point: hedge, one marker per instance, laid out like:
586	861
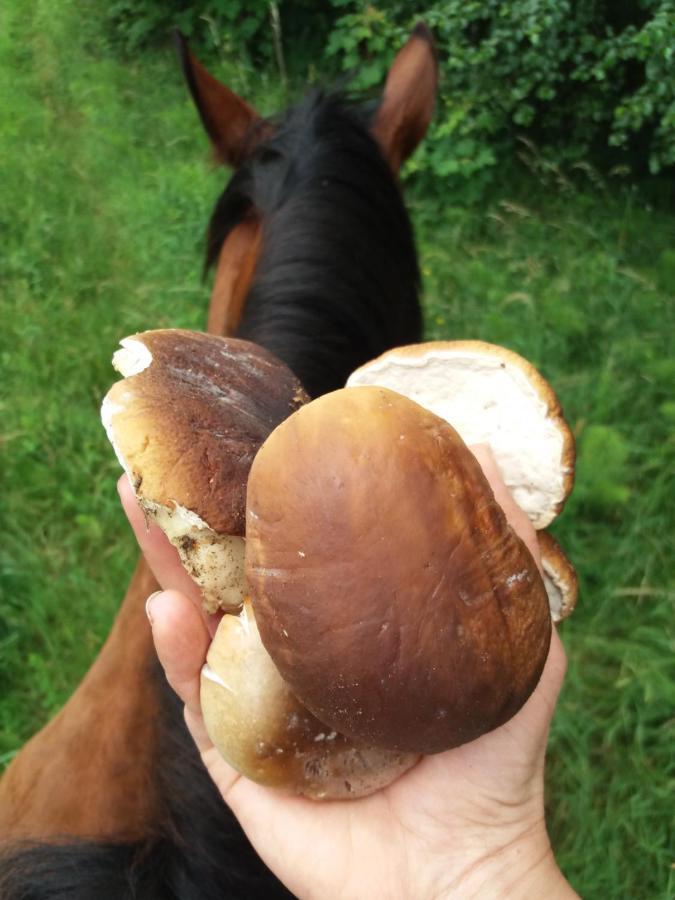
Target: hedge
581	80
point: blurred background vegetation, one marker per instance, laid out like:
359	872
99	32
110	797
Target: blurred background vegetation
582	80
543	206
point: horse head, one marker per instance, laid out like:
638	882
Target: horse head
310	239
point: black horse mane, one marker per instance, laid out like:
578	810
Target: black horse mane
337	279
336	284
198	852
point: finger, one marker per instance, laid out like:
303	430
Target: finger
162	558
181	640
222	773
516	517
553	675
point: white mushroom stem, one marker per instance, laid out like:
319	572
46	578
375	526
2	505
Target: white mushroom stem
555	594
215	561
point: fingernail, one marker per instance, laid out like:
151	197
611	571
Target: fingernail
148	605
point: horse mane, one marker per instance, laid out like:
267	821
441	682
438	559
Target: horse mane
337	278
336	284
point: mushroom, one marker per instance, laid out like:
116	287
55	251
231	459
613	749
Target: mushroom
393	611
395	600
185	422
490	395
262	730
560	578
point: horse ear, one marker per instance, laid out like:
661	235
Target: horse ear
228	120
408	100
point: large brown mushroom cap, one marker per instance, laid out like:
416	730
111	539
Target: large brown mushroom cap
391	593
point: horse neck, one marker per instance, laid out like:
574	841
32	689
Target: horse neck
100	750
89	771
236	265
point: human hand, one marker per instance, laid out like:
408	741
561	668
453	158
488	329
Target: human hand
465	823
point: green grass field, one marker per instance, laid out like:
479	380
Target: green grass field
104	197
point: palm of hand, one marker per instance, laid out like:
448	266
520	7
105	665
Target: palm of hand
467	803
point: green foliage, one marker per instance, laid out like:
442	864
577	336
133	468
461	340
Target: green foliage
575	77
209	22
248	31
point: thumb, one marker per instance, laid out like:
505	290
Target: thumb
181	640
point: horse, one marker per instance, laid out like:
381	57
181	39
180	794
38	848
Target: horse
314	259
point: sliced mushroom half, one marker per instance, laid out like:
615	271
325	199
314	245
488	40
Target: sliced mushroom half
489	395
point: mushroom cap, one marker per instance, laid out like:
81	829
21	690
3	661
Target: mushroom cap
560	577
390	591
189	416
262	730
490	395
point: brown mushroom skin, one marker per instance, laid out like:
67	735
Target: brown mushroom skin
189	424
260	728
560	577
390	591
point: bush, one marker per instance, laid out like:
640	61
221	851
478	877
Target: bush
582	79
236	29
206	22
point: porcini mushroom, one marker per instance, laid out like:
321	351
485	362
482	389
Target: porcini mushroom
489	395
394	612
560	577
186	421
262	730
391	593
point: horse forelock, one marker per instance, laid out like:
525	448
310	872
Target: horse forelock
337	278
293	139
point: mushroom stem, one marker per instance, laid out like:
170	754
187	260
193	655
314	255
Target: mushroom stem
215	561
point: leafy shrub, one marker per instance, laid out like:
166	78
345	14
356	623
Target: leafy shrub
237	29
580	78
138	22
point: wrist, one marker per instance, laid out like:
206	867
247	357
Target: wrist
521	868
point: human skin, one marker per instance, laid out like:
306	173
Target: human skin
467	823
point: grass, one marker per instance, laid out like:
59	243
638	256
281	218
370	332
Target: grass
103	203
582	283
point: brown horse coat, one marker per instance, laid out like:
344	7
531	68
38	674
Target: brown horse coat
88	772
